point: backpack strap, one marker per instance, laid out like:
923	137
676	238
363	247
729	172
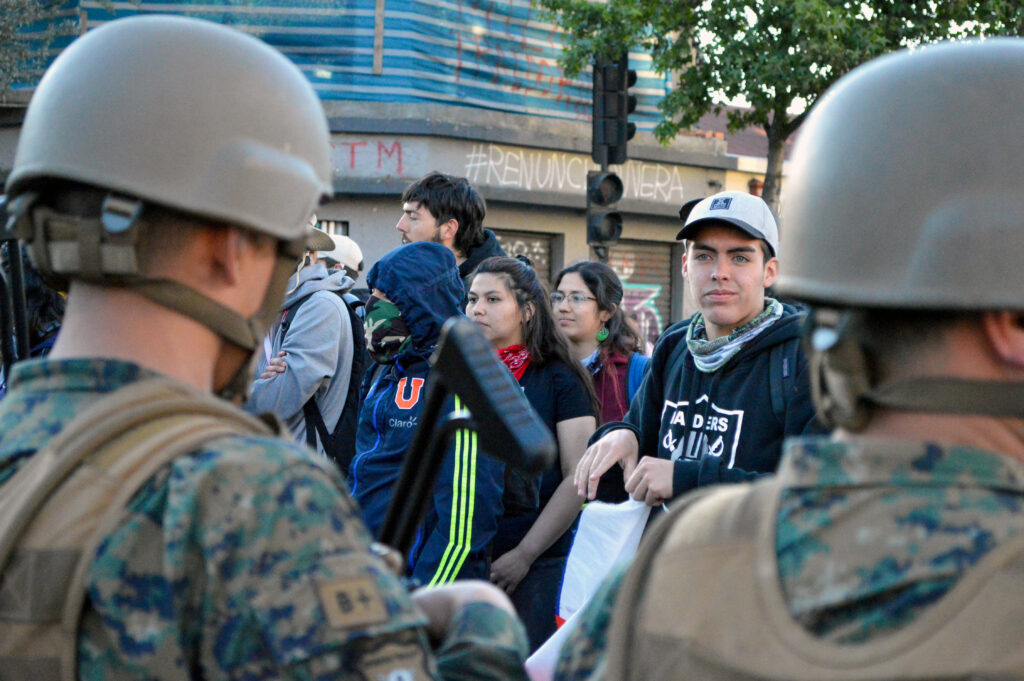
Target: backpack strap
635	374
71	494
696	512
782	369
339	443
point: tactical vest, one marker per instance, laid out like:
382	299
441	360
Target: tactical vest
71	494
703	601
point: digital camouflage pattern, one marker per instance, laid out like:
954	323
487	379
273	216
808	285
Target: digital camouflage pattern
868	534
245	560
583	654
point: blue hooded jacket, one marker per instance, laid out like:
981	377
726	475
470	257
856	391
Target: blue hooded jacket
421	279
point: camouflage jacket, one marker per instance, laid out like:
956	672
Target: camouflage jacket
236	561
869	533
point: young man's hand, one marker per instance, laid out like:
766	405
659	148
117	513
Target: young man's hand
617	447
651	481
275	366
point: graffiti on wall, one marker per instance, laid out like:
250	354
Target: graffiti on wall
537	250
639	300
368	155
536	169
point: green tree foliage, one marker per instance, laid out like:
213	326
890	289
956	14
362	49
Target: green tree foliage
27	31
775	54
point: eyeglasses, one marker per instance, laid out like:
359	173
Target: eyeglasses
575	299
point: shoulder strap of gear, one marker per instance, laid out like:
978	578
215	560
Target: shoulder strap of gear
703	501
782	370
717	557
66	498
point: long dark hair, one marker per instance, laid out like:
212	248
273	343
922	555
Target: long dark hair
540	334
606	287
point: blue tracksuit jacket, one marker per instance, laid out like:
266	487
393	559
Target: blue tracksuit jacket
454	542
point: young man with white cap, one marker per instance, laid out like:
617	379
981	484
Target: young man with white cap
724	387
311	364
345	255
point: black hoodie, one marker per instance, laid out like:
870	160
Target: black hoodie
721	426
489	248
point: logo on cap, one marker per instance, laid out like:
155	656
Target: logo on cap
721	203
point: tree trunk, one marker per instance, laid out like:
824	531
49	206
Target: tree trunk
773	174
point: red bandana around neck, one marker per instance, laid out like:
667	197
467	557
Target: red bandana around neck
516	358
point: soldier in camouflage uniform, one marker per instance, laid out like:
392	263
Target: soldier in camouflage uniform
167	167
906	225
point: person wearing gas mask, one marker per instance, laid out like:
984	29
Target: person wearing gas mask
414	290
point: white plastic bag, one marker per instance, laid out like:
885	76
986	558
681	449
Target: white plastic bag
607	535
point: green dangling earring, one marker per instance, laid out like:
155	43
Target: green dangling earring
603	334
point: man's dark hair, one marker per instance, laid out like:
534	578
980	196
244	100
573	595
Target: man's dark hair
448	197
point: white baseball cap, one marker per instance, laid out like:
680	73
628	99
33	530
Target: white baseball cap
744	211
346	251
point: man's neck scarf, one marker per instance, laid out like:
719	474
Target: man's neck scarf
710	355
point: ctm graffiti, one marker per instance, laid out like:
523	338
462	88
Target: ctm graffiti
363	154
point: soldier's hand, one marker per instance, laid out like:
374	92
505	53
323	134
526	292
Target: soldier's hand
651	480
617	447
440	603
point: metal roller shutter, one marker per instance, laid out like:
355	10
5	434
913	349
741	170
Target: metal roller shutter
645	269
534	245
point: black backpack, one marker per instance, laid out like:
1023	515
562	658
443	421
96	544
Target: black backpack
340	444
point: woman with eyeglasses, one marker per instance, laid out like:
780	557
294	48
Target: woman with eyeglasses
587	302
511	307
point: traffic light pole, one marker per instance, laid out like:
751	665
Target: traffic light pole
611	130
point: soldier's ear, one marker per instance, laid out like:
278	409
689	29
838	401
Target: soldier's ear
1005	333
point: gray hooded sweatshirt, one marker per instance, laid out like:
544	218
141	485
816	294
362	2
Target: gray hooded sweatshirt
318	349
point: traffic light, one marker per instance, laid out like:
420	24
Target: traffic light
604	223
612	106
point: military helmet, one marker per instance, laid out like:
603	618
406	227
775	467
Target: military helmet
185	113
181	114
903	190
903	193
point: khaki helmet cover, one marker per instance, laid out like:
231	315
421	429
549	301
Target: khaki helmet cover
181	113
185	113
903	192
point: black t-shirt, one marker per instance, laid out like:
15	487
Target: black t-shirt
556	394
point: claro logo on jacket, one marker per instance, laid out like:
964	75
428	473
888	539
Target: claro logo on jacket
702	429
408	393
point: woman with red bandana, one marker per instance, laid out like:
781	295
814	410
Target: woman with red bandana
511	306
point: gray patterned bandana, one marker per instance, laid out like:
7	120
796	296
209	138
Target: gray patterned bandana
710	355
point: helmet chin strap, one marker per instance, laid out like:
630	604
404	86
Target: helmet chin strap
245	333
843	395
103	250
